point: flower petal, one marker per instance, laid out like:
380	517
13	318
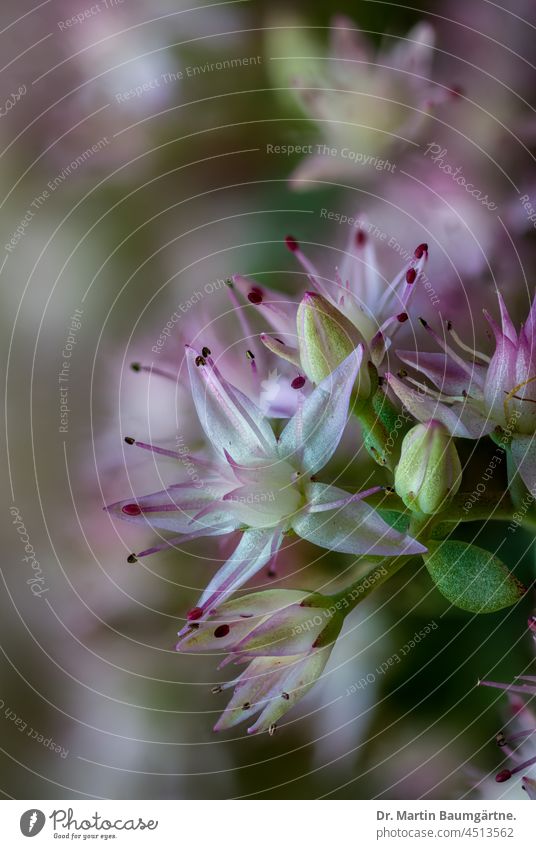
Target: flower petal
354	529
299	679
460	418
241	615
257	685
313	433
230	420
172	509
445	373
252	552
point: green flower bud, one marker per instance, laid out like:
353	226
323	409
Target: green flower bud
429	473
325	338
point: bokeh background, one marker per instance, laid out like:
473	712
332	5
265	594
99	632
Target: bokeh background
117	209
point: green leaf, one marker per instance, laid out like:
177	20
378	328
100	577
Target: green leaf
471	578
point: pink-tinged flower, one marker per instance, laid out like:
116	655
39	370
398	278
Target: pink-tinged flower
366	103
262	485
477	397
519	741
285	641
358	290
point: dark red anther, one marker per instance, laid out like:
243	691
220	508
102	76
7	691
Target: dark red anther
402	317
221	631
505	775
255	296
131	510
291	243
360	238
420	250
298	382
411	274
194	613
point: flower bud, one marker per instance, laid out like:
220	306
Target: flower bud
429	473
325	338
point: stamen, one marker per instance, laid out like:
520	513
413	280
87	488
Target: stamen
298	382
272	729
246	706
137	367
206	352
520	735
194	613
165	452
217	689
291	244
221	631
402	317
285	696
505	775
131	510
516	769
411	274
420	250
467	367
132	558
474	353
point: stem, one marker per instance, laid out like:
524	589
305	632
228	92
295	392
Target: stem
355	593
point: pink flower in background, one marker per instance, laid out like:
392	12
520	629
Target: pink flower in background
366	103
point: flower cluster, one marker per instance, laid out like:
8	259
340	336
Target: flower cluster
265	468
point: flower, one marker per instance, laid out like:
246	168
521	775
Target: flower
519	746
264	486
486	395
429	473
364	303
364	103
285	637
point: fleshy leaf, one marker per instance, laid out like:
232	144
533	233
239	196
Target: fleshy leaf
471	578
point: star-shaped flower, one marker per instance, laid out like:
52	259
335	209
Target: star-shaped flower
265	486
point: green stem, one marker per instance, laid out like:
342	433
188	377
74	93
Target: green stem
357	592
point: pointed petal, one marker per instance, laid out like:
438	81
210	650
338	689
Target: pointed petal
230	420
241	615
507	324
259	683
354	529
445	373
523	448
253	551
460	419
312	435
172	509
290	631
299	679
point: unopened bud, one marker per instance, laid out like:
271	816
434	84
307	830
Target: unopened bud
429	473
325	338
